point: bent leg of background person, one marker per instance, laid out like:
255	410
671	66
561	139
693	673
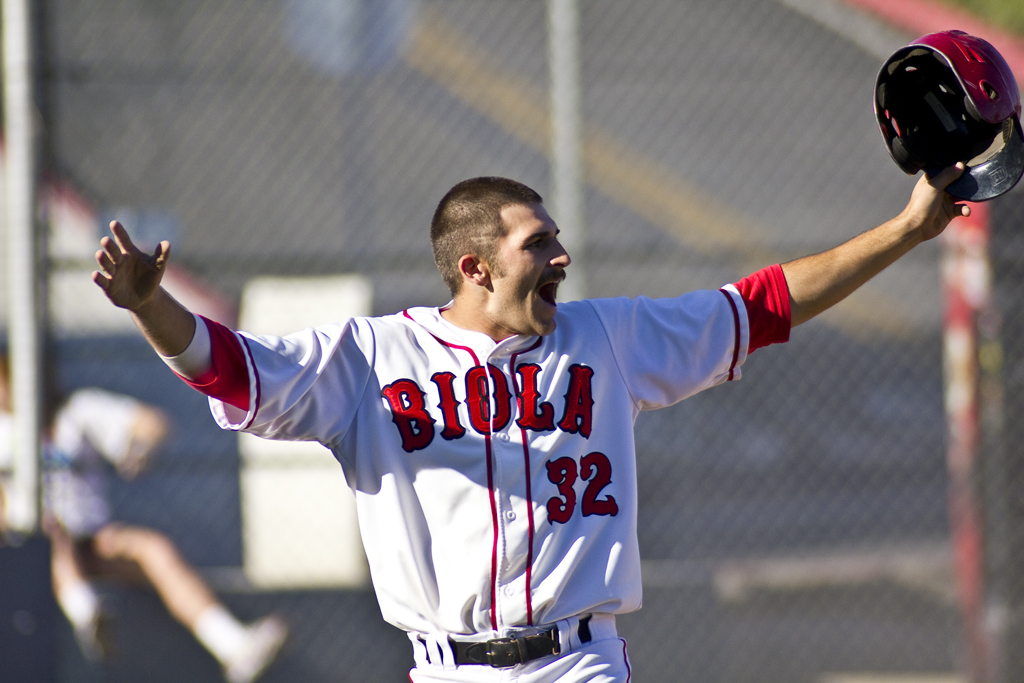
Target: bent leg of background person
76	596
244	650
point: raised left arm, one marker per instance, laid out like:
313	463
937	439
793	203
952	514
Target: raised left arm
818	282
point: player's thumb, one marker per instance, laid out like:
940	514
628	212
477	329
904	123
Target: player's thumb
943	178
162	254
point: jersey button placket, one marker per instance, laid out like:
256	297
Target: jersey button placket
499	438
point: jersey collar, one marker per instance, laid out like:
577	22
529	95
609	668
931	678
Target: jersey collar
432	320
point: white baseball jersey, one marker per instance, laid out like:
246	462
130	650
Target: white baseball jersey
495	482
92	426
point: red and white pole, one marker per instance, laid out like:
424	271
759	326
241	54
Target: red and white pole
967	285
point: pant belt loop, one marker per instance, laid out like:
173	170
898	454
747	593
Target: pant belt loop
419	650
566	630
447	654
573	633
439	649
434	651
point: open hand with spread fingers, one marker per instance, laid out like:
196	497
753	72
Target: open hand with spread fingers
128	276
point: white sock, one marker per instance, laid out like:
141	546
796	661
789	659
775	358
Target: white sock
220	633
79	602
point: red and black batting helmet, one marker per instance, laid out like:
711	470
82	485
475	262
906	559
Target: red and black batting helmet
949	97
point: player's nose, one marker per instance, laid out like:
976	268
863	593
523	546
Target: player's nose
561	257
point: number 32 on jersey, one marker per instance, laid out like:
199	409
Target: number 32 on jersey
562	472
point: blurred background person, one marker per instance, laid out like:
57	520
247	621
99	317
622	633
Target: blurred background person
87	428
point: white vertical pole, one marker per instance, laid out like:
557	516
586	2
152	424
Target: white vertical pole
22	264
566	140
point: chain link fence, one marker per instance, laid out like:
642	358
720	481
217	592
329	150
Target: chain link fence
793	525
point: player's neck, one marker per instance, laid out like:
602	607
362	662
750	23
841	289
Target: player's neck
473	316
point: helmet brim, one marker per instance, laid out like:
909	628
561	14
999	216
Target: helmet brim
993	176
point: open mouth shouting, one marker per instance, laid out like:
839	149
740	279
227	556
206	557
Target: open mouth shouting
549	290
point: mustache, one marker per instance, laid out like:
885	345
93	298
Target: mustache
555	276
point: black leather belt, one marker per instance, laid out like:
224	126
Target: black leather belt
501	653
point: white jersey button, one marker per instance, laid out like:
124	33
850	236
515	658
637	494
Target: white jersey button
510	515
510	591
503	436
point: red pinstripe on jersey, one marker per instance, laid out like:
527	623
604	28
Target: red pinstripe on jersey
529	491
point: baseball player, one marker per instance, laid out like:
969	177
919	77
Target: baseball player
489	442
91	426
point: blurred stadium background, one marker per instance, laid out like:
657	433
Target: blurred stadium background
794	527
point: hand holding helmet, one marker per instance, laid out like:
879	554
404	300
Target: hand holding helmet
950	97
931	207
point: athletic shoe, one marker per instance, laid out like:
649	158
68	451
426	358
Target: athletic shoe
266	636
95	638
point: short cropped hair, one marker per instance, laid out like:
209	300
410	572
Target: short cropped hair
468	221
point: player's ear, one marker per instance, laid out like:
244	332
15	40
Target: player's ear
474	270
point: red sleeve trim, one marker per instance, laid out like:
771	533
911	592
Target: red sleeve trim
766	297
227	379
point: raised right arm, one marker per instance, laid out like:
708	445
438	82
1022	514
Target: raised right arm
131	280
